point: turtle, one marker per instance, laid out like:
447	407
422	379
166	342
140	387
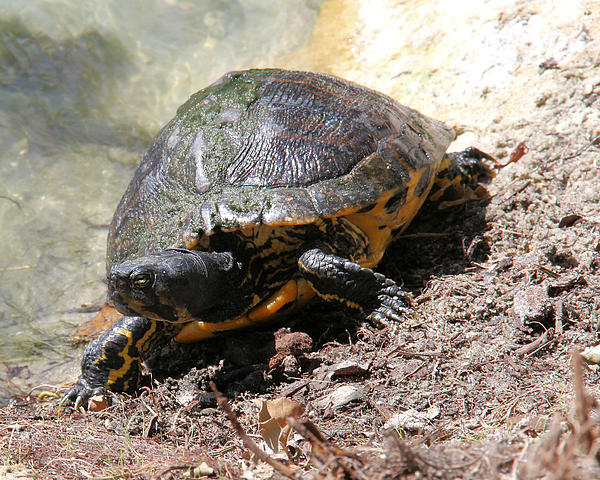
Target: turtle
268	188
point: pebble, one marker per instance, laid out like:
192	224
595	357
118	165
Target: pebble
291	366
592	354
347	367
532	304
341	397
412	420
97	403
202	470
292	343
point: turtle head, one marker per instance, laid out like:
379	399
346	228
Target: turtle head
175	285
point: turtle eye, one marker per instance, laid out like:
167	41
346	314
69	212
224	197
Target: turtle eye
141	280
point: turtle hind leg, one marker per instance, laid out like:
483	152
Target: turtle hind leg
112	362
376	298
460	178
469	166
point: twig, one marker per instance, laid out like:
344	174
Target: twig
410	353
328	456
166	470
582	149
559	313
538	342
13	201
549	271
248	442
582	401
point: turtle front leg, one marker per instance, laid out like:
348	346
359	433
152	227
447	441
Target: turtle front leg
112	362
375	297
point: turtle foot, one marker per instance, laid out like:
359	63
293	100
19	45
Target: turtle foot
79	395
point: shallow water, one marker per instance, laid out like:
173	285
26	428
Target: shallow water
84	86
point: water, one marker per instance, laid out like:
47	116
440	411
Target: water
84	86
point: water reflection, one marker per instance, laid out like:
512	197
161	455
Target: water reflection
83	88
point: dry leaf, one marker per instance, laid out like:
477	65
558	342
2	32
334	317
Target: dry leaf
97	325
272	420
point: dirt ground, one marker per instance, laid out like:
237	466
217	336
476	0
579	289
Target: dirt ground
482	382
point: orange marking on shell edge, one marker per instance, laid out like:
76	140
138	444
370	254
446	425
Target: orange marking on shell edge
190	242
445	163
443	184
295	293
378	225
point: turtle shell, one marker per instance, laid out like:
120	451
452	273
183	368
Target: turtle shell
272	147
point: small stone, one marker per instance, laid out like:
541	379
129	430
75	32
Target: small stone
591	84
503	263
341	397
97	403
291	366
204	470
412	420
592	354
185	397
532	305
347	367
208	412
292	343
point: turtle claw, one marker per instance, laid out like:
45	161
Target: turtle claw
378	300
79	395
392	309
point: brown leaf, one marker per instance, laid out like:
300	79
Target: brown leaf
100	323
272	420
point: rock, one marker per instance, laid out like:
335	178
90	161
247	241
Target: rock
288	345
341	397
291	366
502	264
185	396
292	343
98	403
532	305
592	354
347	367
412	420
203	470
325	373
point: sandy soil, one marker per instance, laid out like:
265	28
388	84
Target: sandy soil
480	383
